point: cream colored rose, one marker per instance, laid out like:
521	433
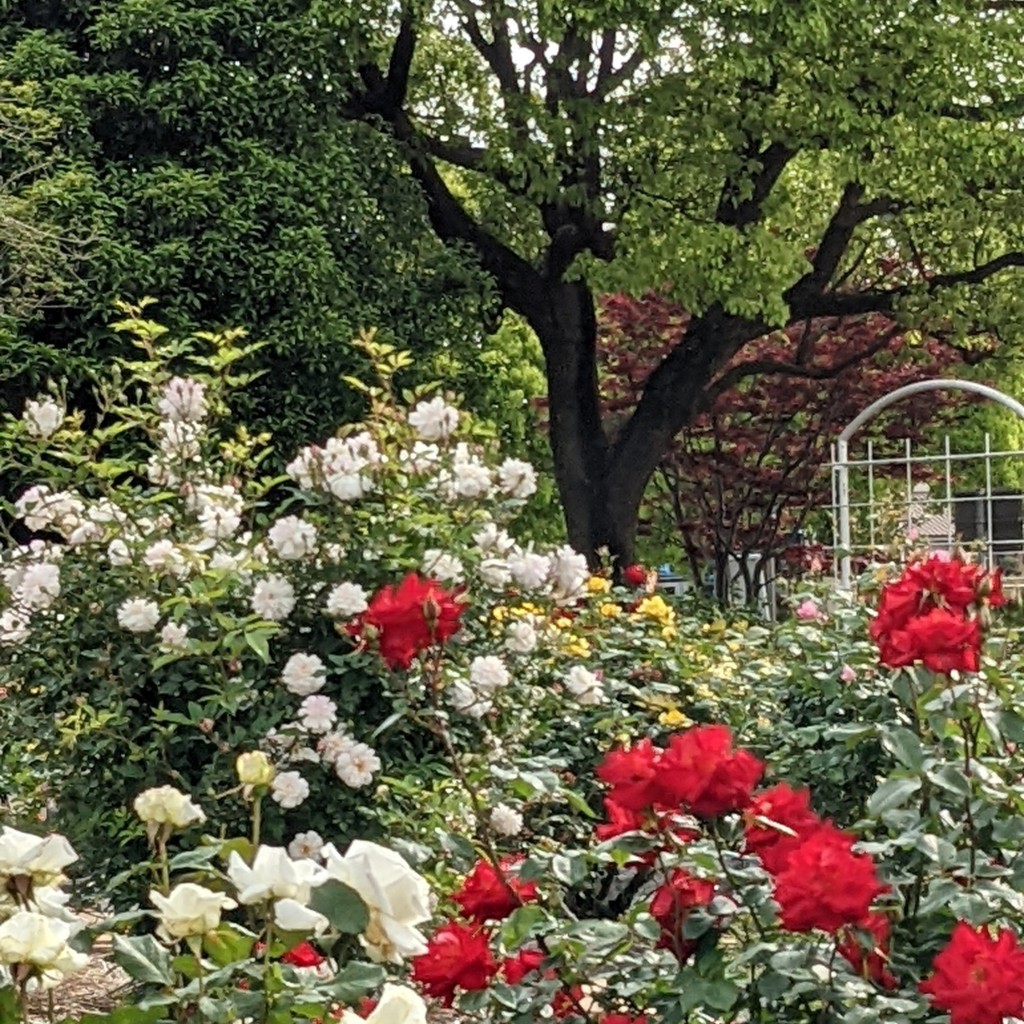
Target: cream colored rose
189	909
165	805
397	1005
254	769
274	875
39	858
398	898
39	941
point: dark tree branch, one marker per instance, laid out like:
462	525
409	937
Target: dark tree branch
400	62
742	212
885	300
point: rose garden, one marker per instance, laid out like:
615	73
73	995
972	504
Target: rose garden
344	744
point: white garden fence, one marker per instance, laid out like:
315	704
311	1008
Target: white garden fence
925	495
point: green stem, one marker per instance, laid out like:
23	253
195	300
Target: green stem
256	820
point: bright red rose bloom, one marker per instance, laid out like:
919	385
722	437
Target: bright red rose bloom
457	956
700	769
672	904
870	963
631	773
941	640
634	576
824	884
485	897
302	955
786	806
622	1018
978	979
408	619
567	1002
515	968
620	821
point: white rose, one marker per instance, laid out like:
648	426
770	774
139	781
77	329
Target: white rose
174	637
31	938
434	420
292	916
165	556
41	858
306	845
289	789
273	598
303	674
118	552
488	673
346	600
521	637
14	627
165	805
491	539
397	897
397	1005
569	572
274	875
584	685
442	566
506	821
495	572
517	479
529	569
138	615
349	486
317	713
43	419
40	585
292	538
356	764
466	700
188	909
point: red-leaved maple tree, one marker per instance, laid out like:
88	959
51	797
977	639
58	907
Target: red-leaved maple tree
745	475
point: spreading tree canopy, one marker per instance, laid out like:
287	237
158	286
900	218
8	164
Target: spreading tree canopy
765	162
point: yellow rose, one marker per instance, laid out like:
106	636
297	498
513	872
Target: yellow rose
578	647
599	585
254	769
674	719
610	610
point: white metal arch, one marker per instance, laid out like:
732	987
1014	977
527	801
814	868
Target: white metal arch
841	465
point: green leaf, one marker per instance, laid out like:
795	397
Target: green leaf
354	981
951	778
903	745
228	944
144	959
891	794
122	1015
342	906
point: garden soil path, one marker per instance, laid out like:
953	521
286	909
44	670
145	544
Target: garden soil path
94	989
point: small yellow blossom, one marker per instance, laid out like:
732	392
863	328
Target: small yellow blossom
599	585
561	622
669	632
674	719
499	612
610	610
578	646
656	607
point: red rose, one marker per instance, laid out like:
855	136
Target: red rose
515	968
622	1018
672	904
941	640
457	956
700	769
302	955
978	979
824	884
784	806
631	773
566	1002
866	946
484	896
634	575
621	820
409	618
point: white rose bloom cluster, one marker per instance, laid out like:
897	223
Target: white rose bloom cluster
517	479
167	806
442	566
38	860
138	615
468	476
289	789
304	674
434	420
488	674
38	945
183	400
218	508
521	636
43	417
273	598
343	467
505	820
40	508
468	701
164	556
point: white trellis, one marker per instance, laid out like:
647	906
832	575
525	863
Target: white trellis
916	500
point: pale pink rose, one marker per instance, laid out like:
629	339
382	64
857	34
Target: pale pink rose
913	533
808	609
848	674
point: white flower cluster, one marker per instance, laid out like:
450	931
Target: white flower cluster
182	403
35	930
343	467
43	417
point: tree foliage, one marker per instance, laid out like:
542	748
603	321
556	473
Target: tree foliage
213	169
756	160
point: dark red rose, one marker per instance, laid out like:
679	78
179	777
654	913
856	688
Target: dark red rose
458	956
785	806
631	773
634	576
866	947
824	884
484	896
403	621
302	955
622	1018
515	968
700	769
672	904
566	1002
978	979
